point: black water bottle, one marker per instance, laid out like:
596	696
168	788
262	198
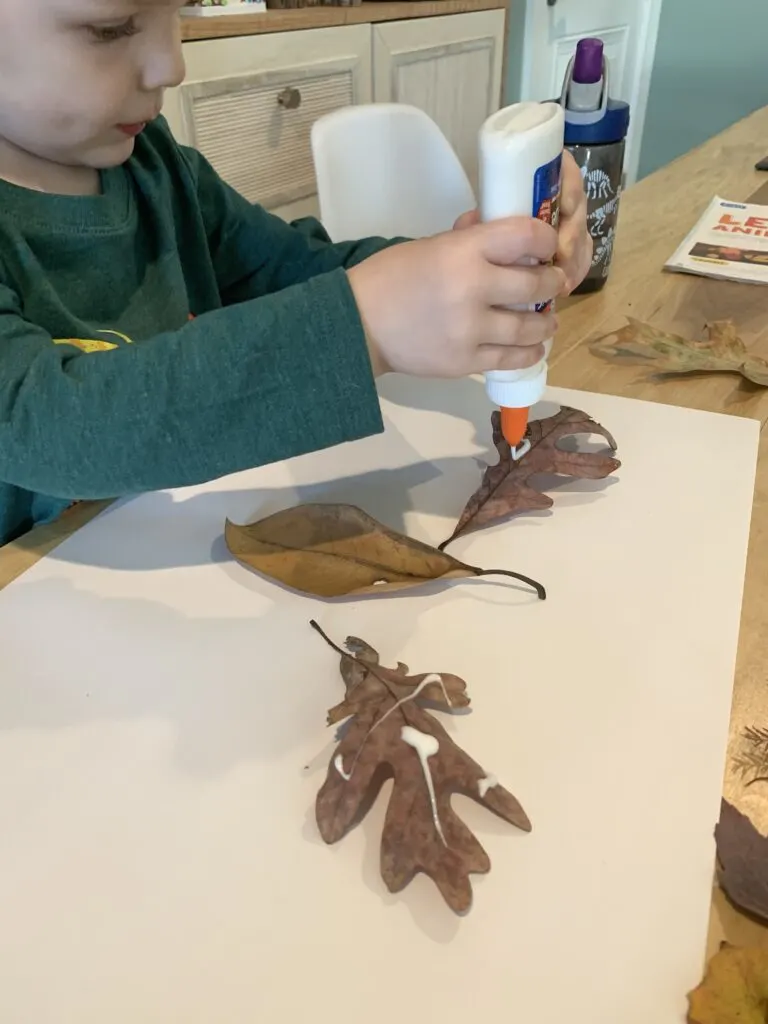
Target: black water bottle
595	133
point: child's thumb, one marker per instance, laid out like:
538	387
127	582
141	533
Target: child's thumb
467	220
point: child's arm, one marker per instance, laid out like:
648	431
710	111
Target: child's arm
284	368
237	387
268	378
255	252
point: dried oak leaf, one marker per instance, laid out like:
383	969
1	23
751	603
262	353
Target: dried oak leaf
734	989
391	734
506	488
742	854
641	344
333	550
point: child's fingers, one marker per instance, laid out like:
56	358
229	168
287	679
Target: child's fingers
467	220
502	357
512	286
513	239
503	328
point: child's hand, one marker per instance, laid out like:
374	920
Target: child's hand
574	242
431	307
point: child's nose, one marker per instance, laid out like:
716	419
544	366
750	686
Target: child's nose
164	69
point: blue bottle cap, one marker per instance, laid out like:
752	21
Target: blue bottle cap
612	126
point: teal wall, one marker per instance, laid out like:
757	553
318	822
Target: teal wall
710	70
699	85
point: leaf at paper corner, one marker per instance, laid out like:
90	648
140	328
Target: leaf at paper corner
421	831
734	989
742	854
641	344
506	488
333	550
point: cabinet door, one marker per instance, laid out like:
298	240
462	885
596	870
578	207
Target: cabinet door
450	67
248	105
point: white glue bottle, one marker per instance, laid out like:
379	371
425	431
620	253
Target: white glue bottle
521	150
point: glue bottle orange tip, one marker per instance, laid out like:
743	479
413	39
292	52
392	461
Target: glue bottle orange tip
514	423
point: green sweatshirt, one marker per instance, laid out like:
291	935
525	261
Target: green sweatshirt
165	333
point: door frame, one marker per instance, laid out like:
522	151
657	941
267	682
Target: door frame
639	99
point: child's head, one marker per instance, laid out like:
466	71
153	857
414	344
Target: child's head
76	76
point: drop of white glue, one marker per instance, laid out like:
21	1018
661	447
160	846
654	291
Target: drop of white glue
485	784
520	450
428	680
426	746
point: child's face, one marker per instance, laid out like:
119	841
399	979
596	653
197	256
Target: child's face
77	77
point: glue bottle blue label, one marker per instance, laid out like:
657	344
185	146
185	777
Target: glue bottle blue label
546	201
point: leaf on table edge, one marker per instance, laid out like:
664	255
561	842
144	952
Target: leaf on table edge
741	850
721	334
730	964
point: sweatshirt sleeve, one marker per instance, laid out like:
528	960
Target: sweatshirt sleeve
252	383
254	252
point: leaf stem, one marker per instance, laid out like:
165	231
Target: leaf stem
318	628
374	670
540	591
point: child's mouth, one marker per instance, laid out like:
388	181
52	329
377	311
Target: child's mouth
132	130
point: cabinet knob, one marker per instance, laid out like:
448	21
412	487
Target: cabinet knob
551	3
289	98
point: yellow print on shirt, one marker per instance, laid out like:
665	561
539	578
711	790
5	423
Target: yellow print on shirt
94	344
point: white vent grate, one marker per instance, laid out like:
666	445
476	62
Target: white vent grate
260	148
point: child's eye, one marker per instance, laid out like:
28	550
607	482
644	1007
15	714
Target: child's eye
111	33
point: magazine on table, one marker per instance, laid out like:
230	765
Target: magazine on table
729	241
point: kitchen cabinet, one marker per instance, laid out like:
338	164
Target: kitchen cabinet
450	67
248	102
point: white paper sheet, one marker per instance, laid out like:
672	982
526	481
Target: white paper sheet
162	740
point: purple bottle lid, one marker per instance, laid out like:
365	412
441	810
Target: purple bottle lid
588	62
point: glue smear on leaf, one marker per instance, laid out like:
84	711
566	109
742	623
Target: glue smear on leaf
392	734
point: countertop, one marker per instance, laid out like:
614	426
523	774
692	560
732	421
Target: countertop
299	18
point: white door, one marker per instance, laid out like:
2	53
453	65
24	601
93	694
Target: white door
449	67
628	29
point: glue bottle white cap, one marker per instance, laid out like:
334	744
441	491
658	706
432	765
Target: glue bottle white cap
520	150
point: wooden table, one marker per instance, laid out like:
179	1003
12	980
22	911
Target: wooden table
655	215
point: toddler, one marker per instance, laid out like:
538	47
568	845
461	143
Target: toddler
157	330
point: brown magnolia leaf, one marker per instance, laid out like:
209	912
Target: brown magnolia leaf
742	854
734	989
333	550
723	351
506	488
390	733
